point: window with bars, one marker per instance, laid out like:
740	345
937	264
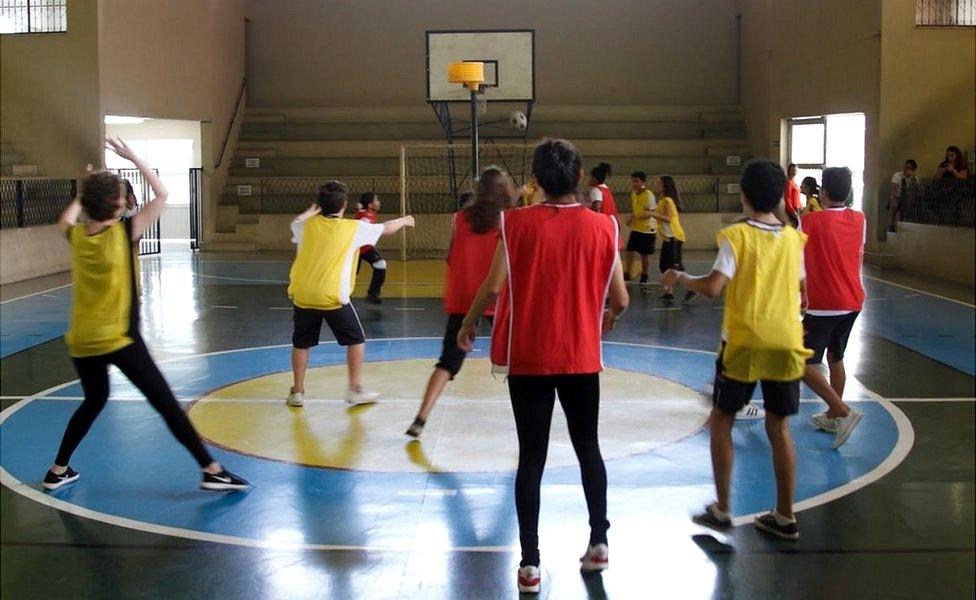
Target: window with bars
33	16
946	13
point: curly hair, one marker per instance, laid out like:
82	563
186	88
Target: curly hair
100	193
494	193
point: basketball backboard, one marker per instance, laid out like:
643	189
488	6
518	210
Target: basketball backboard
508	55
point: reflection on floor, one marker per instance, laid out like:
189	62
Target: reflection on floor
346	506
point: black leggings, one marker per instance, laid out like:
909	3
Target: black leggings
533	398
136	364
372	256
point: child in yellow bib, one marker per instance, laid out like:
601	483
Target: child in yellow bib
762	339
643	226
321	283
104	328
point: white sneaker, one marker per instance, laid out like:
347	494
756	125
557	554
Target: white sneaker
529	580
847	425
750	412
295	398
361	396
828	424
596	558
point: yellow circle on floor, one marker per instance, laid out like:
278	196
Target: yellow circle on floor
470	429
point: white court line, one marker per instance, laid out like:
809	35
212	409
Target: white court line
906	439
223	306
906	287
408	308
674	308
279	308
60	287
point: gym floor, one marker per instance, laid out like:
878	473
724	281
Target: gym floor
345	506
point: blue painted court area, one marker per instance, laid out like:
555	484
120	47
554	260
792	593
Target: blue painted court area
291	504
33	320
942	330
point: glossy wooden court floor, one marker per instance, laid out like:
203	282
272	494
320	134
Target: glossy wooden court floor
345	506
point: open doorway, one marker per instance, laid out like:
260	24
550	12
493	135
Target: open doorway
829	141
172	148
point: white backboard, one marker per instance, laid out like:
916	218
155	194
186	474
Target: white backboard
509	57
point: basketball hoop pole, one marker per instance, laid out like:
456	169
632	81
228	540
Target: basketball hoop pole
471	74
474	135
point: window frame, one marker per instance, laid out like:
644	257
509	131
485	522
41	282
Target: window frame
61	4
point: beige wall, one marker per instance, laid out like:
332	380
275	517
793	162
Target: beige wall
179	59
32	252
371	52
813	58
928	89
49	94
917	244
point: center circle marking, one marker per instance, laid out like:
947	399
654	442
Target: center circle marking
470	430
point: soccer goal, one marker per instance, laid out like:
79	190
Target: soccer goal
433	176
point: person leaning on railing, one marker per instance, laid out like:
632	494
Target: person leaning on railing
954	165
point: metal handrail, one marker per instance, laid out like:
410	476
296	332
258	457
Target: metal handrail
230	125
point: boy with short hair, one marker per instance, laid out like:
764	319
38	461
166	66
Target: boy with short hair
762	340
369	208
321	284
642	226
835	296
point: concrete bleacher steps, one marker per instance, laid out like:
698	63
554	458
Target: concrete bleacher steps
362	147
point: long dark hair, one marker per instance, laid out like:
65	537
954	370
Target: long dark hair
960	163
671	190
812	185
494	193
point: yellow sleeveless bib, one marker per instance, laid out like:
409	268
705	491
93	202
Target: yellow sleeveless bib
322	266
761	324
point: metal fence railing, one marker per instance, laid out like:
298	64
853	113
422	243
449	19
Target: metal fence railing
34	16
150	242
34	201
292	195
939	202
196	191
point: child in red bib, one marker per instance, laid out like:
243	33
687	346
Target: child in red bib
468	259
556	263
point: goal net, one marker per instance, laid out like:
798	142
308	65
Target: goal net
431	179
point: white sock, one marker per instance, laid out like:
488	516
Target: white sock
721	514
781	520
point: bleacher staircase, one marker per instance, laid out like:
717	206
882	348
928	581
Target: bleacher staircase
364	144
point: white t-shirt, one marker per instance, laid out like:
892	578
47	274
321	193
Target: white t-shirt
897	179
367	234
595	195
725	261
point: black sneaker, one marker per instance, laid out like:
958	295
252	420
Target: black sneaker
710	519
53	481
643	279
667	297
770	525
416	428
373	299
223	481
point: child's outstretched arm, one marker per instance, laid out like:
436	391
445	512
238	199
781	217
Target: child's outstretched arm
154	208
707	285
70	215
391	227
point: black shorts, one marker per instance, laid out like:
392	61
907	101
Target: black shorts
779	397
452	357
671	255
641	243
827	333
344	323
